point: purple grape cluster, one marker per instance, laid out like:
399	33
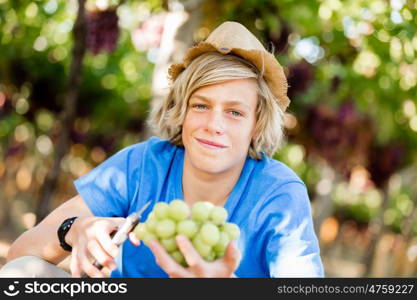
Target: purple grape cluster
342	137
102	30
300	76
345	138
280	41
6	106
385	161
15	149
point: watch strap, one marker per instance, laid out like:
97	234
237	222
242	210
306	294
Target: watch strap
62	232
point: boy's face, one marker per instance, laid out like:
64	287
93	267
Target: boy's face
219	125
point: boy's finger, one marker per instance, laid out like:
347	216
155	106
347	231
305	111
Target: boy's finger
165	261
134	239
190	254
232	256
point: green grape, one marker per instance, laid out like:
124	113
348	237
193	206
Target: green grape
207	228
151	223
178	210
165	228
211	257
161	210
202	248
149	237
218	215
219	254
141	231
232	230
187	227
179	258
209	234
221	245
198	224
169	244
209	205
201	211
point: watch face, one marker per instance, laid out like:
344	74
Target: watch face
67	224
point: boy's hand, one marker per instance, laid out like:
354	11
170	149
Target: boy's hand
197	266
90	237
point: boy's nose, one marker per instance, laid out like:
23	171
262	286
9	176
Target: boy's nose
215	123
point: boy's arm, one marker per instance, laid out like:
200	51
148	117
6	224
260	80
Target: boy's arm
42	240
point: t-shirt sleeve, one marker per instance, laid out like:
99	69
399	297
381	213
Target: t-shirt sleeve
107	189
292	248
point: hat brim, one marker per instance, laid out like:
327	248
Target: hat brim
265	62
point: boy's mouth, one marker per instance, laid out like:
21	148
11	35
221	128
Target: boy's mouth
210	144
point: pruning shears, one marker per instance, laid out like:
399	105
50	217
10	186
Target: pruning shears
121	234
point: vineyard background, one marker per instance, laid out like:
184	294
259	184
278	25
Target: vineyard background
77	79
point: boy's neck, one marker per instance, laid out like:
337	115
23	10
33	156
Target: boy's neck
203	186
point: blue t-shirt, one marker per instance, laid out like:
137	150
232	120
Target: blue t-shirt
269	203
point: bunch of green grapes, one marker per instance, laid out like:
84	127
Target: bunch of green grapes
204	224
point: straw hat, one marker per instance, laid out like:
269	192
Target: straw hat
233	37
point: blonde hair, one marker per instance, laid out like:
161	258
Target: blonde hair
166	118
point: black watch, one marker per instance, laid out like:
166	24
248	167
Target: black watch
62	232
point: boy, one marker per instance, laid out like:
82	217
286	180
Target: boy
221	123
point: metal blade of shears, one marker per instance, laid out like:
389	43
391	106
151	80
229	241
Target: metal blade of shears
131	221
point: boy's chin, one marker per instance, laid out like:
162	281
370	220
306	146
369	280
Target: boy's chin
212	167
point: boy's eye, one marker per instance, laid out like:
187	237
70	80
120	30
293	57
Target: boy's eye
236	113
198	106
204	107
